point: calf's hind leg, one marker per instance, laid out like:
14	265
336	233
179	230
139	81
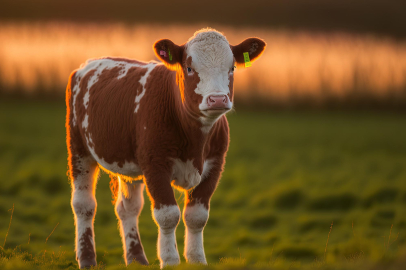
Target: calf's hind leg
84	172
129	204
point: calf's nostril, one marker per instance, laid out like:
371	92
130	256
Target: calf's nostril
217	101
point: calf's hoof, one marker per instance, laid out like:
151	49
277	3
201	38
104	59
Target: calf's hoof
87	263
170	262
139	258
196	258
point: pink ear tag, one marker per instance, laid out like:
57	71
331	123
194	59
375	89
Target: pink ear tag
163	53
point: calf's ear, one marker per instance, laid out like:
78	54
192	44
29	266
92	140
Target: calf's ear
169	53
254	47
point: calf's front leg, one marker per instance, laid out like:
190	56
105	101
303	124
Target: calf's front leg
196	211
195	218
166	215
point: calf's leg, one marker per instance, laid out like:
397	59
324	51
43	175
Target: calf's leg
196	212
129	204
195	218
84	171
166	215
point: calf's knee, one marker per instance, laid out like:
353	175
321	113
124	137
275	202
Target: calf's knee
167	217
128	209
195	217
84	206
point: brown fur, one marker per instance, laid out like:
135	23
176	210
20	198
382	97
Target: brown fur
88	255
136	251
254	46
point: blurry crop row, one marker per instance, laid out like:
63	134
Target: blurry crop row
297	68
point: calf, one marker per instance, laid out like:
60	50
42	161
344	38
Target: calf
154	124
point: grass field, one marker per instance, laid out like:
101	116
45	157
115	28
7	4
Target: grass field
289	177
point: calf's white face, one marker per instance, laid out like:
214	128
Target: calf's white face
205	67
213	61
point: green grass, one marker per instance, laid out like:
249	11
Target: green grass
288	177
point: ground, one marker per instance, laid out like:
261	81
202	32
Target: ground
293	180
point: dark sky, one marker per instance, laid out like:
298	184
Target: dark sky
380	17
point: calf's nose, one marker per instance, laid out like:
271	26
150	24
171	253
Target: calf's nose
217	102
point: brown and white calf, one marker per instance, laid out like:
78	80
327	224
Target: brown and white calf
153	124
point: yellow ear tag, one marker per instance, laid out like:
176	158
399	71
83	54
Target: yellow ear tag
170	55
247	59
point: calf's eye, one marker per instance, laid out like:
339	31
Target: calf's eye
189	71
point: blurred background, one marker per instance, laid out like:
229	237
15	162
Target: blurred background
316	171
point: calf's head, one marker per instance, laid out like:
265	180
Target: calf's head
205	68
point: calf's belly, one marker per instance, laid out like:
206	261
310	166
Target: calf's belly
127	168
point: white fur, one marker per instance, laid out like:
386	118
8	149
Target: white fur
207	123
185	174
75	92
213	59
85	122
143	81
129	204
129	168
86	98
195	218
207	165
167	219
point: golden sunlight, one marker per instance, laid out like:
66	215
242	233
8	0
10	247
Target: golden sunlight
42	55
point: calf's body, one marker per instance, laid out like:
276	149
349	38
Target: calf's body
153	124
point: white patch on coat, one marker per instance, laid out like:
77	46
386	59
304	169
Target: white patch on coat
75	92
195	218
212	58
207	166
185	174
99	65
143	82
86	98
207	123
129	204
85	122
167	218
129	168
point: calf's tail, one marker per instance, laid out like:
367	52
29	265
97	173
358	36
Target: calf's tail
114	188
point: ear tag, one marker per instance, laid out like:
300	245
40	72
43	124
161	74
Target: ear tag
170	55
247	59
163	53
